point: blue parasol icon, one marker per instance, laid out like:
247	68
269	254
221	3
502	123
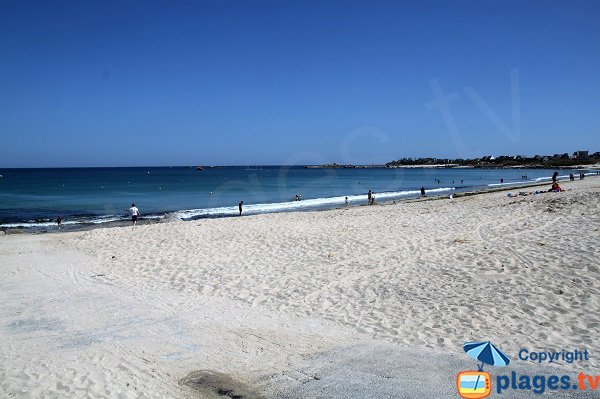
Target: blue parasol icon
486	353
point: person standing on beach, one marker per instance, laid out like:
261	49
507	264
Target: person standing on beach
422	191
134	213
346	200
59	221
369	197
240	207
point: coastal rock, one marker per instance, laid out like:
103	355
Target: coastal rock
14	231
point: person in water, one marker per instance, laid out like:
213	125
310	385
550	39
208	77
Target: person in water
240	205
59	221
134	213
346	200
369	197
422	191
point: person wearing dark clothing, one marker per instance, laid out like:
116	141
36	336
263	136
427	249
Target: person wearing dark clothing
240	207
422	191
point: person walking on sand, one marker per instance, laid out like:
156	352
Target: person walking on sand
134	213
240	207
369	197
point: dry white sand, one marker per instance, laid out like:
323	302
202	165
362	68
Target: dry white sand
129	312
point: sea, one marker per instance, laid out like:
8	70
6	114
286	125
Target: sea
32	199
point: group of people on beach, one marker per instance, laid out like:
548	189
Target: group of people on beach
572	176
370	198
134	211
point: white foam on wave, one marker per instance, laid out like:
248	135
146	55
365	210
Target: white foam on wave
509	183
538	180
88	220
306	204
33	224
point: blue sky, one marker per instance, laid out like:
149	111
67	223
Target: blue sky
273	82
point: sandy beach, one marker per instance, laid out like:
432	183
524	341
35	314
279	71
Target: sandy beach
352	302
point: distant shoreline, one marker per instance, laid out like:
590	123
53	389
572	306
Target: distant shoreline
256	167
454	166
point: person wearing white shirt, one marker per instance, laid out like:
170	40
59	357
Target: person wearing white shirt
134	213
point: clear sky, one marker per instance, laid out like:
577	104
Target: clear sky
98	83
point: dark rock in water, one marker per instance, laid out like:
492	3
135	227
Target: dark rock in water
206	381
14	231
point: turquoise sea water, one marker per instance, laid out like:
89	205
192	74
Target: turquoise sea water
33	198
